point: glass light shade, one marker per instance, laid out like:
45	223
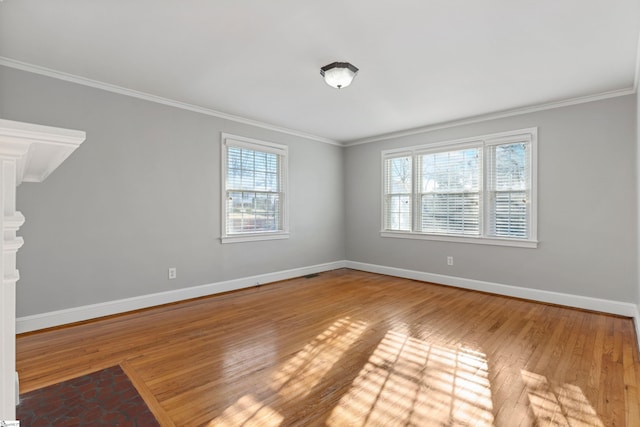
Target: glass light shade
338	74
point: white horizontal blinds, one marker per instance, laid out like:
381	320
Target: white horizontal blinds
449	191
509	189
254	186
397	192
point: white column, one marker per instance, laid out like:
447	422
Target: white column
10	221
28	153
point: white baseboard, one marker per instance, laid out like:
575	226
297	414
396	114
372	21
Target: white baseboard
576	301
78	314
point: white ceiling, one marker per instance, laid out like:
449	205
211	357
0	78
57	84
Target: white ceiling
422	62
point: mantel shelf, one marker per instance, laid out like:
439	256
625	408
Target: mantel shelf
39	150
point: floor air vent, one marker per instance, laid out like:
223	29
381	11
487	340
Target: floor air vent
311	276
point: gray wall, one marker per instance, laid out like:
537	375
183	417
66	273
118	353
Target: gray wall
587	209
142	194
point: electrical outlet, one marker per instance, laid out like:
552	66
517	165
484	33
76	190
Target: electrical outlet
172	273
449	260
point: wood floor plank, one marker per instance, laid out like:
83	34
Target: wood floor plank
355	348
156	409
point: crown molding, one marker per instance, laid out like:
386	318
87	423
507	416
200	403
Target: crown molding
493	116
12	63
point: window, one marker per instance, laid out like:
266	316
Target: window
477	190
254	190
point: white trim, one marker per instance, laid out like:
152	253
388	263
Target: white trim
231	140
254	237
636	322
22	131
569	300
38	149
78	314
518	243
488	139
12	63
493	116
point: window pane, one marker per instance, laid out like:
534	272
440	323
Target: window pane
510	214
247	159
451	171
247	180
397	187
398	212
510	169
252	212
398	175
266	212
260	161
271	182
508	191
450	200
451	213
272	163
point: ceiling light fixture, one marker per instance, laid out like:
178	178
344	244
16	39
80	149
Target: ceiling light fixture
338	74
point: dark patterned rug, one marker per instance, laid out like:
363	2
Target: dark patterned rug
103	398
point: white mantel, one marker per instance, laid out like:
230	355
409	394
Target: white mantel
28	153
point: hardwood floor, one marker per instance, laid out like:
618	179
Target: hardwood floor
349	348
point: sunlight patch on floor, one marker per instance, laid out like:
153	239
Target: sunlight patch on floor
297	377
307	368
248	412
407	381
563	405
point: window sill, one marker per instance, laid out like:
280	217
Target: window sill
462	239
254	237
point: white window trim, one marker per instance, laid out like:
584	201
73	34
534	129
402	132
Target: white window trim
485	140
253	144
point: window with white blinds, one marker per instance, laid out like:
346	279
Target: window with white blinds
478	190
254	193
509	189
449	191
397	192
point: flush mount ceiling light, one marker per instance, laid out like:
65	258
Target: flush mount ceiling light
338	74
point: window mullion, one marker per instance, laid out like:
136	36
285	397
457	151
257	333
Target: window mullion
416	211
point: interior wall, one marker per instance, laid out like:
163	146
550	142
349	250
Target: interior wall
142	194
638	206
587	206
